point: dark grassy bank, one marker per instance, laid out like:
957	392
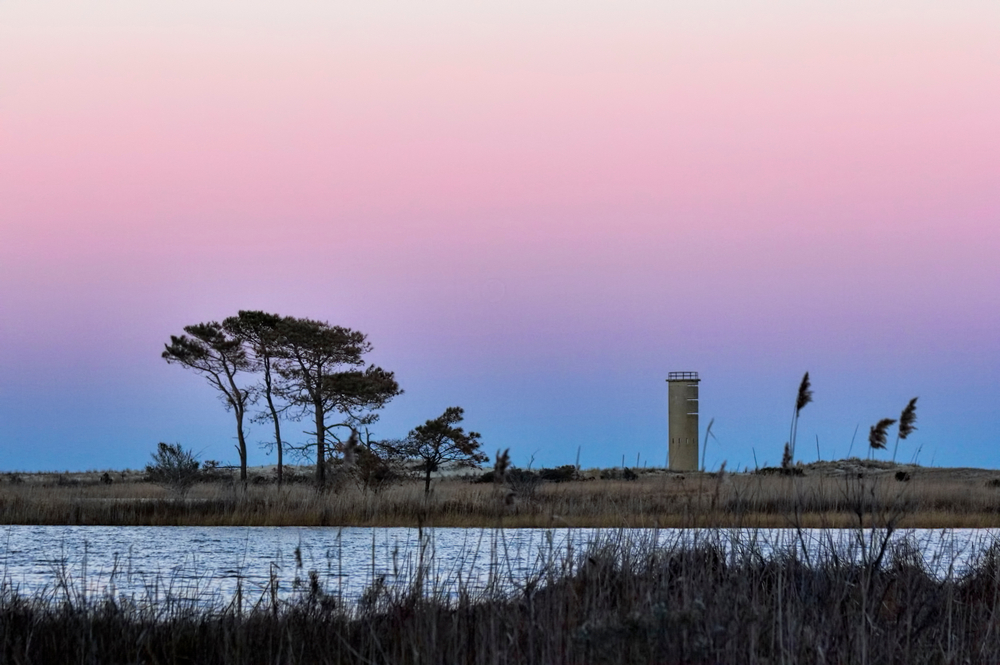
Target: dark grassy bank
620	602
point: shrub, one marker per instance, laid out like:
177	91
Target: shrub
780	471
619	474
172	465
559	474
377	468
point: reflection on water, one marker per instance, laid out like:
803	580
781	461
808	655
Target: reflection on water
209	564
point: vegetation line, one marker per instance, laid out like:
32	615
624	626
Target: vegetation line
822	494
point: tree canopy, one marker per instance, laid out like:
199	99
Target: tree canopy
260	333
440	441
308	368
322	370
210	350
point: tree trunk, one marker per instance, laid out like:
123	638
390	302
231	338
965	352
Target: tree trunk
277	430
320	447
277	442
242	444
427	480
274	415
238	400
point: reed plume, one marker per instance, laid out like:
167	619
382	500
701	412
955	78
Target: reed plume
878	433
500	466
786	457
704	448
805	393
907	425
804	397
342	472
351	450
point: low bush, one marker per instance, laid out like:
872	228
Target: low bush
780	471
619	474
173	465
559	474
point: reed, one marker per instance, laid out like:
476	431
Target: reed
907	424
878	434
705	599
802	398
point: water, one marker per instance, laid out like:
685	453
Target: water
207	565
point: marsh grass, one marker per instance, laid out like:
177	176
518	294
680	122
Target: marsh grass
848	493
709	599
802	398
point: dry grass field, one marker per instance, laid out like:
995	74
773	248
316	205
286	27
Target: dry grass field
623	599
847	493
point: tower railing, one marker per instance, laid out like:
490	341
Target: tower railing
683	376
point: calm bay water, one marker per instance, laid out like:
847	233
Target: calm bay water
207	565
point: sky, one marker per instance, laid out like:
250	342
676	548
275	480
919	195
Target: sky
534	209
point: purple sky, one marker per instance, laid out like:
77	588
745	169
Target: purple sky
534	211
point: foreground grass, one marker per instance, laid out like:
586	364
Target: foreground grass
854	495
622	601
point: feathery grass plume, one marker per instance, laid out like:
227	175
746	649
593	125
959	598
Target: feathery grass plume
907	419
907	426
879	432
704	447
351	450
805	393
786	457
804	397
500	466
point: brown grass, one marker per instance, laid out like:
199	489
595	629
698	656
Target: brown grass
845	494
621	601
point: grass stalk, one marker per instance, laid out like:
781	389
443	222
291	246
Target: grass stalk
704	597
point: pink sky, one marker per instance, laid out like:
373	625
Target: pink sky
583	195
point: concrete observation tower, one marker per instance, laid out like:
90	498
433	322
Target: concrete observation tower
682	412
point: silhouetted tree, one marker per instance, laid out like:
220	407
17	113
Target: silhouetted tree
439	441
261	333
321	372
210	350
